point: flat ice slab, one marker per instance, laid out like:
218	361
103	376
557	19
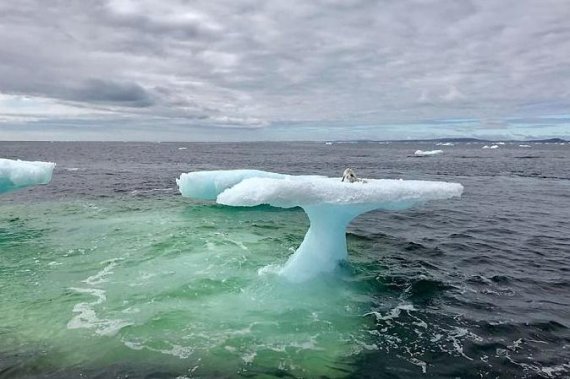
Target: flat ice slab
329	203
16	174
303	191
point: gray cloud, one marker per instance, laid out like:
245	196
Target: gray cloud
113	93
254	64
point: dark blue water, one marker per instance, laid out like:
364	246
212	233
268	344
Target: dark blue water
473	287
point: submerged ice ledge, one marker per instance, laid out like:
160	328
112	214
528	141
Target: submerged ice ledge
16	174
329	203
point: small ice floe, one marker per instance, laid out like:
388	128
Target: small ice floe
182	148
17	174
500	143
328	143
491	147
444	144
421	153
525	146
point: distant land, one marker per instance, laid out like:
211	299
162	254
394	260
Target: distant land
549	140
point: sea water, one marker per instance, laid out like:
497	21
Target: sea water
108	271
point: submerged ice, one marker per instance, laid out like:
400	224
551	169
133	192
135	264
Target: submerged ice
329	203
16	174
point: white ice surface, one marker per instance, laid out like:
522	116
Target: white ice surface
16	174
292	191
207	185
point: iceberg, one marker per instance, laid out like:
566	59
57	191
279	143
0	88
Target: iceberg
329	203
421	153
16	174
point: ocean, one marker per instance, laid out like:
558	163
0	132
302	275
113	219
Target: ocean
109	272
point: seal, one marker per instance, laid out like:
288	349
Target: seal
349	176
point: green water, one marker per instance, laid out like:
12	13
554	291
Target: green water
170	284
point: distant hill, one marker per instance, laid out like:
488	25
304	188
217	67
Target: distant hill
458	140
549	140
413	140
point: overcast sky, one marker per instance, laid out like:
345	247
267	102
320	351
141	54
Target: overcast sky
283	70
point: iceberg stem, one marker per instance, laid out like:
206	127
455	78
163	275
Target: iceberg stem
324	245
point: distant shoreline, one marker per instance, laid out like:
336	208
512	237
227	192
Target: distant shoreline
548	140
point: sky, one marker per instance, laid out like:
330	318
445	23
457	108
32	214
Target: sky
245	70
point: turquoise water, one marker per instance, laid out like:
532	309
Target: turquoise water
174	284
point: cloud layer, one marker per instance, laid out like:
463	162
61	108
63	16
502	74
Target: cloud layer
330	64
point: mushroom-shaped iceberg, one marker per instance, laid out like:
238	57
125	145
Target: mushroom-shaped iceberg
16	174
329	203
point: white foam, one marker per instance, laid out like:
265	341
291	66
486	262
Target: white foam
101	276
555	370
179	351
421	153
249	357
86	317
16	174
418	362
